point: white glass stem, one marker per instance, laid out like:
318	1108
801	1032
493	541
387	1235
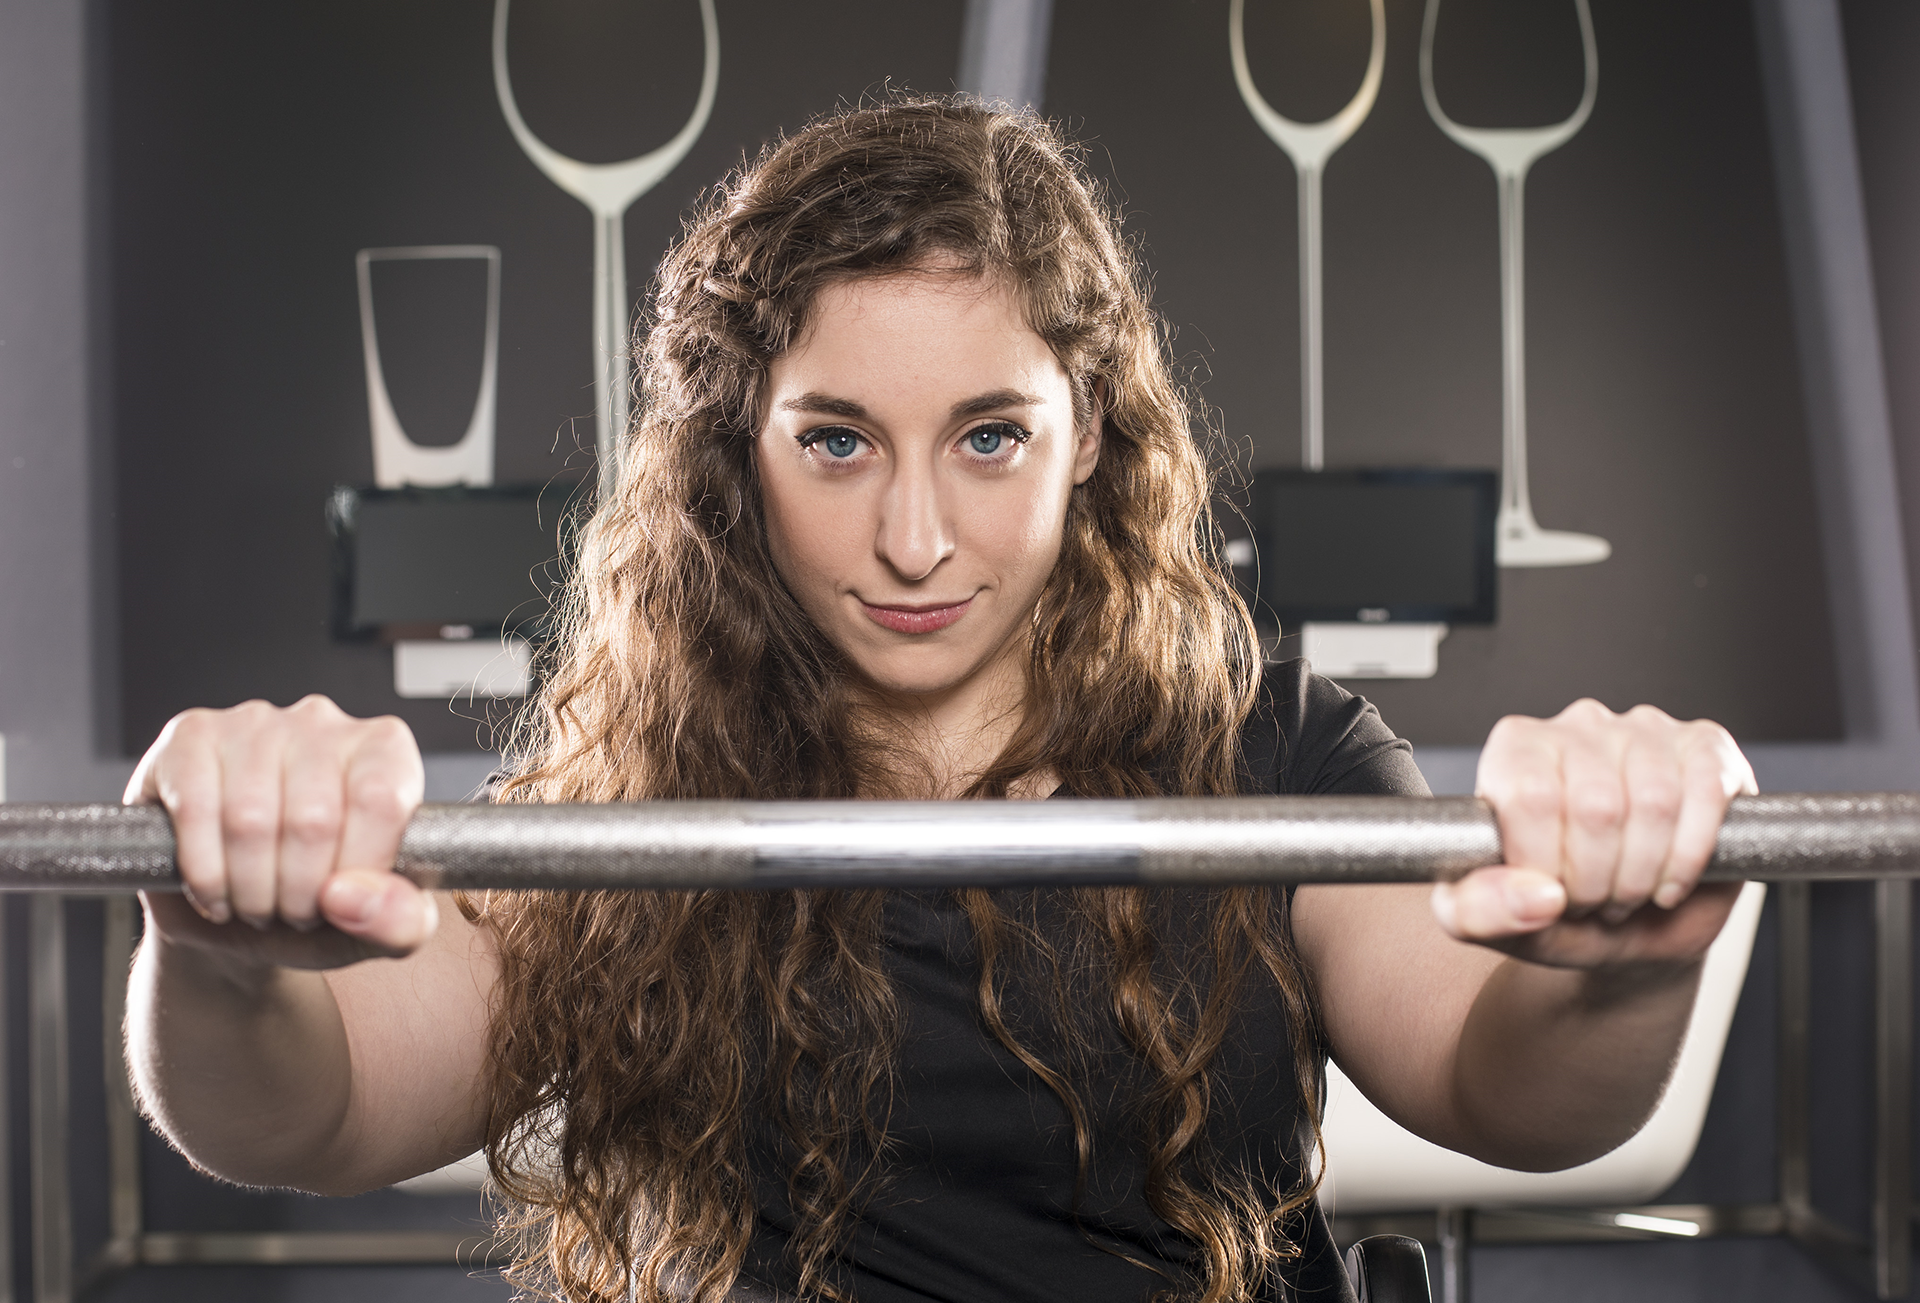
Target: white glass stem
1313	403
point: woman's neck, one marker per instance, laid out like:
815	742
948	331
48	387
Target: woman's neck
959	733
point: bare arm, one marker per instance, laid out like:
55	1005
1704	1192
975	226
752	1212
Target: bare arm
1548	1041
302	1017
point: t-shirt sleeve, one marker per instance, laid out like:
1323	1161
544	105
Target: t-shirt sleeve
1308	736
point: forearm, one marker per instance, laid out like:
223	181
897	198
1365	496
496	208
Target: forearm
244	1067
1555	1067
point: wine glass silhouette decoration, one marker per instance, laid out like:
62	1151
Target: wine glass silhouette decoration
1510	151
397	459
1309	145
608	190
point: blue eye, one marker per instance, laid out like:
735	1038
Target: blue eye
986	440
841	443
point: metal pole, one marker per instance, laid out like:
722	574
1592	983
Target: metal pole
47	1104
1455	1227
6	1105
124	1218
1794	1116
1893	1087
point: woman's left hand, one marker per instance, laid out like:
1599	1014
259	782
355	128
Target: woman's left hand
1607	821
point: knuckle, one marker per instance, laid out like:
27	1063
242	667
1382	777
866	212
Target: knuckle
1659	797
389	731
1535	796
249	821
378	796
188	726
1597	805
192	805
315	703
1587	711
312	821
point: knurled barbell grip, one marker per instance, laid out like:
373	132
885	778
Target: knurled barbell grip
759	845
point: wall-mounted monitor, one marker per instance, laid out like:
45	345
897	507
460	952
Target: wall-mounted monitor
1374	546
449	563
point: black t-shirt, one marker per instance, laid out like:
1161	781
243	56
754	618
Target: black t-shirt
979	1203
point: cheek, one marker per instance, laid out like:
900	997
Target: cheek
1024	533
784	525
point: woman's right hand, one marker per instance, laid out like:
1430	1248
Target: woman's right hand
287	822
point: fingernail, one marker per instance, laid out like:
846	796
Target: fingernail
1531	897
1669	895
303	924
218	912
354	898
1445	908
255	922
1617	913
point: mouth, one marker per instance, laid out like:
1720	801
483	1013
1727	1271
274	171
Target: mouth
915	619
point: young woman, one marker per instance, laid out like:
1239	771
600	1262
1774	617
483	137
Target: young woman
912	509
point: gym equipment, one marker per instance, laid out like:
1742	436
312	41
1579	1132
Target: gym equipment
755	845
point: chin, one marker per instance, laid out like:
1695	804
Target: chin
916	679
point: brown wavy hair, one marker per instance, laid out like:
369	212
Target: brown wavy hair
641	1041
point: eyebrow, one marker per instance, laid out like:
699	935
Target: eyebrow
992	401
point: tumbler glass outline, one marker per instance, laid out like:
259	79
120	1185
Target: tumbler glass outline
397	459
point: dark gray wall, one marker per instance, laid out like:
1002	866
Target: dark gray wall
54	571
1664	397
251	150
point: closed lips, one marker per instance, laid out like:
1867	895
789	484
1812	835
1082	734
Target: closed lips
916	619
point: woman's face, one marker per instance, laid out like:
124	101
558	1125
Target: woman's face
915	465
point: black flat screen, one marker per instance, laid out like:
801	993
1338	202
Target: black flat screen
1375	544
409	560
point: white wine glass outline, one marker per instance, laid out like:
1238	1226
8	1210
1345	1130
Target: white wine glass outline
1510	151
398	460
608	190
1309	145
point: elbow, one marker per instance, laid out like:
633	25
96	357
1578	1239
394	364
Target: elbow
1552	1142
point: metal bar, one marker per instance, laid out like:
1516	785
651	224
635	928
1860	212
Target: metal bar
1893	1087
1639	1222
124	1217
47	1103
1793	1103
6	1097
1455	1229
756	845
319	1248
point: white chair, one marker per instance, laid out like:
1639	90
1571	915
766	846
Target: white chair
1374	1165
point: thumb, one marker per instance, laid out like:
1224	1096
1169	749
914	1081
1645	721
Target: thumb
382	908
1493	904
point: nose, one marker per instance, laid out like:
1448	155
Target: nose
915	532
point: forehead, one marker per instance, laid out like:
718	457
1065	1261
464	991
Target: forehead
931	332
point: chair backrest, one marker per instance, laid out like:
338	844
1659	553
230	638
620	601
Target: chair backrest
1376	1165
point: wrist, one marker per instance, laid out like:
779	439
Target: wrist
1606	987
214	955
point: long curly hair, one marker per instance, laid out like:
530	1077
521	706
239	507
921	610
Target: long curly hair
641	1040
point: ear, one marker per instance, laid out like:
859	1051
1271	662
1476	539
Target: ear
1087	455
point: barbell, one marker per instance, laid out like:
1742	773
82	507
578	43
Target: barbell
754	845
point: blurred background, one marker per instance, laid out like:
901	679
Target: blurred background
1722	298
